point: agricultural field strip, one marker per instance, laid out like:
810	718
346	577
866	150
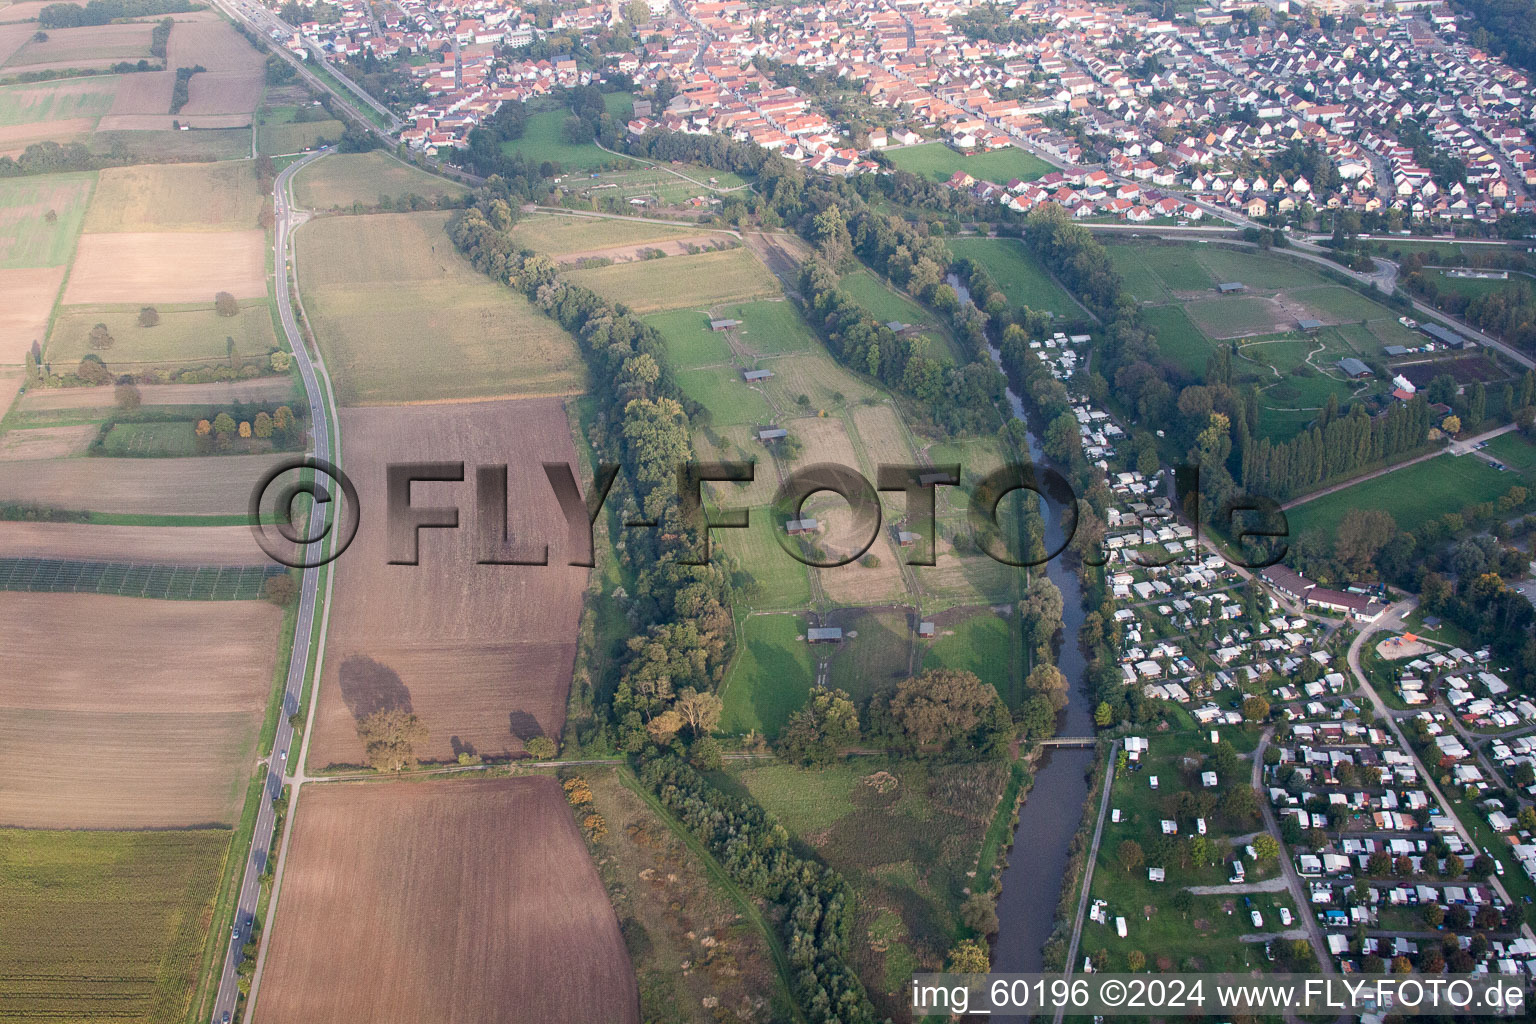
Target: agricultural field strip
136	579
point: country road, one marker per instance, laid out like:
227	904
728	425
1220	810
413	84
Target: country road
298	666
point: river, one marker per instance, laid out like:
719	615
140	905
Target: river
1037	863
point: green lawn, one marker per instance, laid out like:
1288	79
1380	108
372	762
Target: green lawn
726	396
275	139
937	161
1515	451
543	140
1134	265
1337	302
104	925
1473	287
1016	273
770	327
883	302
1414	495
1179	267
877	658
779	582
770	677
1234	316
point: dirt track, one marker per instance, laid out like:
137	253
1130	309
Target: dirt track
481	653
411	902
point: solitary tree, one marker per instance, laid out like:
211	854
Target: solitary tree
127	396
540	748
969	956
100	337
1130	855
149	316
1136	960
225	305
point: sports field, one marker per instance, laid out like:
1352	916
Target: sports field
170	742
187	333
29	236
938	162
342	179
509	631
176	197
1413	495
1022	280
401	316
682	282
444	901
104	925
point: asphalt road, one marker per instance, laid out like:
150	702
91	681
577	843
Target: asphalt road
298	666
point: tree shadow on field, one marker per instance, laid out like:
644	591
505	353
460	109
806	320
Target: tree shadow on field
524	726
368	687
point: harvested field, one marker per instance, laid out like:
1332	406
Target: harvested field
265	389
629	253
224	92
46	442
16	138
203	144
91	46
104	925
215	485
682	282
342	179
823	439
29	295
883	437
561	236
176	197
12	37
28	237
211	42
161	545
167	267
375	287
509	632
144	92
157	702
455	902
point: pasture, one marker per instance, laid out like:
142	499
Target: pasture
542	141
216	485
675	185
443	901
170	742
690	342
1022	280
262	389
1179	340
189	333
682	282
906	836
560	235
770	677
727	399
167	266
778	581
509	631
176	197
1413	495
937	162
882	301
299	137
401	316
104	925
40	218
876	652
981	642
769	327
341	179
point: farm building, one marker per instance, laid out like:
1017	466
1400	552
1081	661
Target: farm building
926	630
796	527
1231	287
1450	339
1393	351
906	538
772	433
824	635
723	325
1309	325
752	375
1354	368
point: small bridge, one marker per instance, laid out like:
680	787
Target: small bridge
1069	741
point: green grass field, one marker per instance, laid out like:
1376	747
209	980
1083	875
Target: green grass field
1473	287
1414	495
727	398
770	676
104	925
1515	451
983	643
192	333
400	316
938	162
779	582
169	145
1178	338
682	282
341	179
770	327
1234	316
296	137
542	140
67	100
1016	273
1134	265
1255	269
28	236
878	658
883	302
1337	302
690	342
